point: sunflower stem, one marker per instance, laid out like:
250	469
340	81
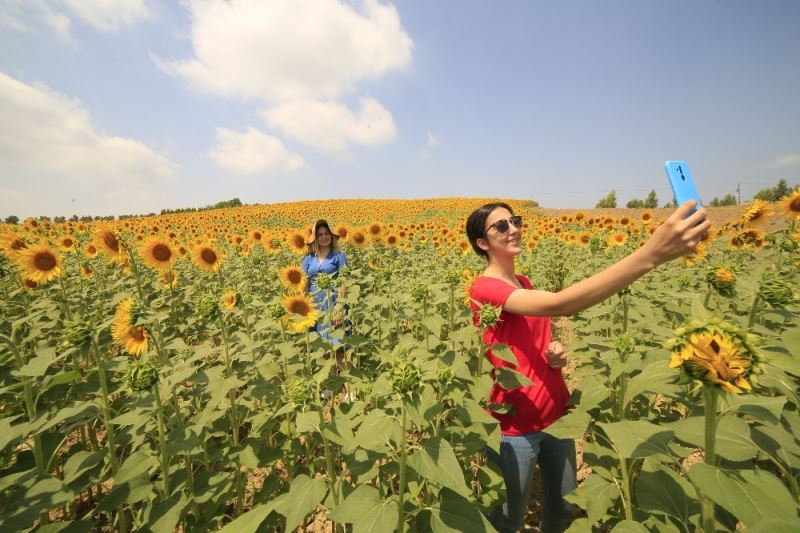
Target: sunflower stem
752	316
162	442
710	395
401	490
64	300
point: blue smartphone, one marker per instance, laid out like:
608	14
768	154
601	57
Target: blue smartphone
680	178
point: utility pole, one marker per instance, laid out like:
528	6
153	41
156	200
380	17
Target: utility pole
738	193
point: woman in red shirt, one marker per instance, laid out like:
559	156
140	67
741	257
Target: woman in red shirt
494	233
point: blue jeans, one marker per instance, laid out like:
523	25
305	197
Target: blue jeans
517	457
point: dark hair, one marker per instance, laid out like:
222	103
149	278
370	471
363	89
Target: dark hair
476	222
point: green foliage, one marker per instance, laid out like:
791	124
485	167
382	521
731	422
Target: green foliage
773	194
728	199
651	202
608	201
241	396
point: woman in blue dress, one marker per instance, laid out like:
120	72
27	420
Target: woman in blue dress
323	257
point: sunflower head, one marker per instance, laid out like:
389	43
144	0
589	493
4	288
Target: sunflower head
157	253
790	204
107	241
39	263
300	312
293	278
757	213
207	257
229	299
717	353
723	279
127	330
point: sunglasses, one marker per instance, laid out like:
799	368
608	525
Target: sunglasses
502	225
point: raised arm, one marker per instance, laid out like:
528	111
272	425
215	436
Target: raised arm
677	236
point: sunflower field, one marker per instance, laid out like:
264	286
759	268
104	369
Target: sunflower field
158	373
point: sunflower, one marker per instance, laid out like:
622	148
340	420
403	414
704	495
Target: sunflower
584	238
157	253
207	257
300	312
697	255
374	229
11	244
131	337
297	242
342	231
258	236
90	251
39	263
67	243
229	299
107	241
293	278
86	271
358	239
617	239
169	278
29	284
758	213
717	353
391	240
790	204
748	238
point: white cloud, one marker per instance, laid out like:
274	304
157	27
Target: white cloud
297	56
432	141
48	139
253	152
331	126
104	15
291	49
790	160
110	15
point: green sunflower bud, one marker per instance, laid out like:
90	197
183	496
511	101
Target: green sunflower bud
299	392
141	375
775	290
452	278
624	344
207	306
420	292
276	311
489	315
405	377
444	375
78	334
324	282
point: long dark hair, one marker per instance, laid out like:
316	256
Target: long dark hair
476	222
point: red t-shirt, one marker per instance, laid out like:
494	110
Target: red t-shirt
539	405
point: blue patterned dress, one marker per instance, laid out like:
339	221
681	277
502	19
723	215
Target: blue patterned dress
312	266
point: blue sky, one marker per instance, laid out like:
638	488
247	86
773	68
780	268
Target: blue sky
131	106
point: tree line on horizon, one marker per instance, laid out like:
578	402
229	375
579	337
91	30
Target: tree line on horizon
770	194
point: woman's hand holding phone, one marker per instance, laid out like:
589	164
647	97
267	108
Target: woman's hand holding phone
678	235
